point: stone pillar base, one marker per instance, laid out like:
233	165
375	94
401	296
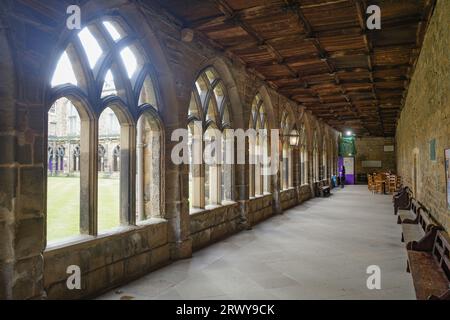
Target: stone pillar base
181	250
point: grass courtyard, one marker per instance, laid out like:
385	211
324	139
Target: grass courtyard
63	206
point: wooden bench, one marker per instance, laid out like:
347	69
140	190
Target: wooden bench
419	227
402	200
429	265
325	191
409	214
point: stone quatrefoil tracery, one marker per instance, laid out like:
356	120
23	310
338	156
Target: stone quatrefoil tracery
104	60
209	101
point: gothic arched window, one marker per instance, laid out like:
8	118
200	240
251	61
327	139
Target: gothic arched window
209	117
63	188
106	75
259	175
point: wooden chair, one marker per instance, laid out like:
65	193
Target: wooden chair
370	184
386	181
392	184
378	184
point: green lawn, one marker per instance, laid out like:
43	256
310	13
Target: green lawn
63	206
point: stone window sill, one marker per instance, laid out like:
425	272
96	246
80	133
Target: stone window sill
86	239
304	185
260	196
195	211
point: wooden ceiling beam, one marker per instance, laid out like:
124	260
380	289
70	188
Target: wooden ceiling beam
360	9
229	13
359	85
295	7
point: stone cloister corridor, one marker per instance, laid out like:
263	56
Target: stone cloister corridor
224	150
318	250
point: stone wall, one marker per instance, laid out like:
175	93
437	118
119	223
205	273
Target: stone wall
107	261
288	198
304	193
260	208
372	149
426	116
213	224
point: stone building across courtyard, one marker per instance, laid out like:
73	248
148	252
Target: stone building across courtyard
64	141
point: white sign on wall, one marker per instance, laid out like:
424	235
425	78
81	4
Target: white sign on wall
349	164
388	148
371	164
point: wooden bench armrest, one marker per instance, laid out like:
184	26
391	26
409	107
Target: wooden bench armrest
412	221
427	242
404	202
416	218
444	296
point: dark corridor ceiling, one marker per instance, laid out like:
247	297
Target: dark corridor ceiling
319	53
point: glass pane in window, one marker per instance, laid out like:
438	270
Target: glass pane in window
129	61
91	46
254	113
148	164
219	93
212	160
257	100
109	172
261	114
64	73
227	173
148	93
226	115
195	144
113	30
211	75
63	176
193	107
212	112
109	124
191	166
109	87
202	89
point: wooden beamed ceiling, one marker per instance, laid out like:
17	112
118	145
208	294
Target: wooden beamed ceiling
319	53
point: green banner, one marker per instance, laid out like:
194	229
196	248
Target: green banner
347	147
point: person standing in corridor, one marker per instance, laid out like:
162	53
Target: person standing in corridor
343	177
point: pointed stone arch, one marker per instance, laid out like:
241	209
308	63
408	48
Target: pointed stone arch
228	80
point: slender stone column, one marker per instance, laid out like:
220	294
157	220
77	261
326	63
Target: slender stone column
140	170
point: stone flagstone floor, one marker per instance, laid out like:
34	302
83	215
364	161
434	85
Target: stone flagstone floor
318	250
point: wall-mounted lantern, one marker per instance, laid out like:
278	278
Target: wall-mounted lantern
294	138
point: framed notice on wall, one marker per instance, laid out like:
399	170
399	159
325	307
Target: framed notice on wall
349	164
433	150
447	175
